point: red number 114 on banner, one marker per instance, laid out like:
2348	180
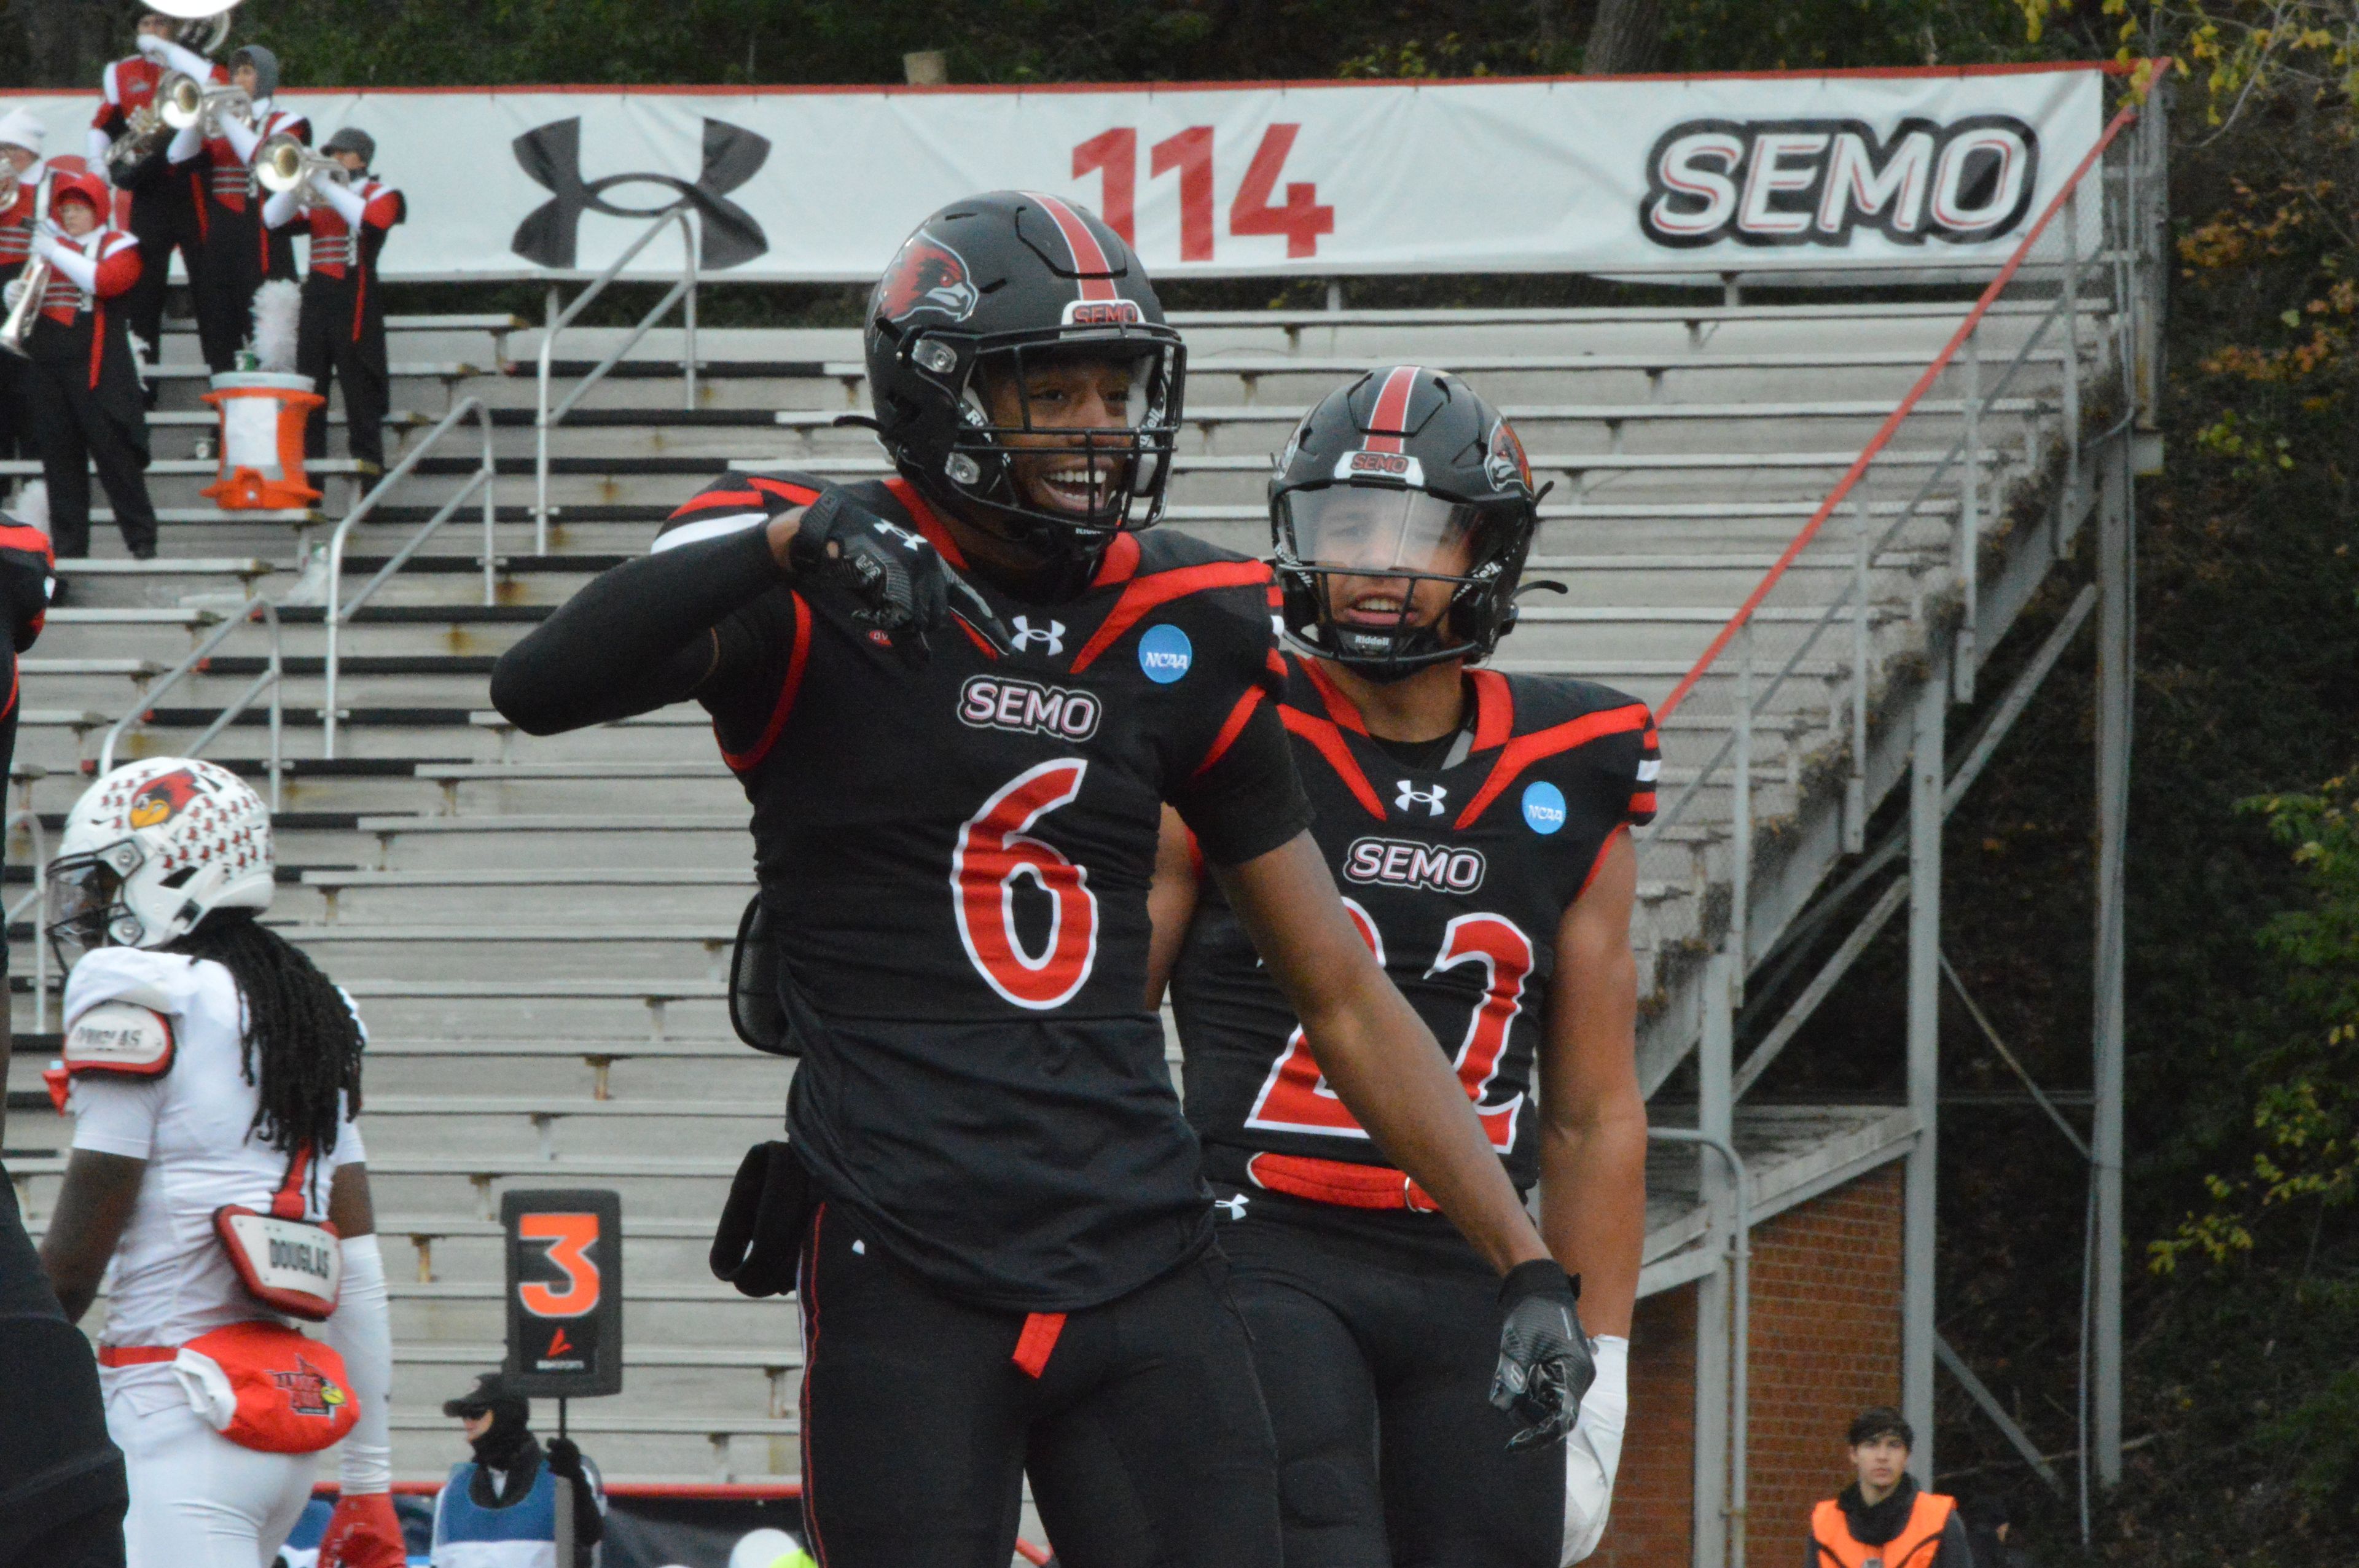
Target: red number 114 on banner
1114	157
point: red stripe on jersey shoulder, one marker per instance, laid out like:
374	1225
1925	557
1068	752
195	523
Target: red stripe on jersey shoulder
928	524
1146	593
982	643
1234	727
1494	708
714	498
1120	562
1323	734
800	494
1340	707
745	761
20	536
1524	750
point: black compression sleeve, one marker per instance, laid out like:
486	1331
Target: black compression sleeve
1250	800
636	637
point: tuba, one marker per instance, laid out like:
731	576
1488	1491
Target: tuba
30	287
204	23
284	163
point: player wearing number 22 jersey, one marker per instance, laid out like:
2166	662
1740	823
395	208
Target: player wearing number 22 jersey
1476	823
958	699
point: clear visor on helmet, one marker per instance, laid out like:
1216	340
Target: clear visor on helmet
1366	531
83	901
1084	429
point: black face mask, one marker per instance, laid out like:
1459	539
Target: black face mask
506	1438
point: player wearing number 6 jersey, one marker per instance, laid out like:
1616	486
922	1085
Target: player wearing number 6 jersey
958	699
1476	822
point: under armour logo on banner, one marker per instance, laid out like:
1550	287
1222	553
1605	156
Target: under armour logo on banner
552	155
1430	799
1051	636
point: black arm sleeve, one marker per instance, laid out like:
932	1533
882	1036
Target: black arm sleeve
1955	1550
1249	800
638	636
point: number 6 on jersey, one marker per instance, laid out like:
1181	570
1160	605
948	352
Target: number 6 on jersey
994	851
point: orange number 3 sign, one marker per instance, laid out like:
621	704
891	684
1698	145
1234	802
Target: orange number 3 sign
569	1238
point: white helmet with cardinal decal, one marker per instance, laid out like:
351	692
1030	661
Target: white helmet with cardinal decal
151	849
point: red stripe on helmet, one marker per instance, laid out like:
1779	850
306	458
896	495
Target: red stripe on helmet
1089	257
1391	415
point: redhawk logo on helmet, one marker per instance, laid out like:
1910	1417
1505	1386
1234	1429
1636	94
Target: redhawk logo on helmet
926	277
1506	465
160	799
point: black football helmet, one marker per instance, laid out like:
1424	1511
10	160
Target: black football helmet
1403	476
985	292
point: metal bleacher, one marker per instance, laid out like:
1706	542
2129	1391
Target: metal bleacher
536	930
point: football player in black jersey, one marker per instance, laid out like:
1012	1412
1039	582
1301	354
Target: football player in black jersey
958	700
1477	822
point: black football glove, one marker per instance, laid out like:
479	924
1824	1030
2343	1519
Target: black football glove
1545	1366
900	583
565	1459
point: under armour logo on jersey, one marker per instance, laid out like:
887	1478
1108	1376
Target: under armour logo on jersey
1051	636
1233	1207
1430	799
551	156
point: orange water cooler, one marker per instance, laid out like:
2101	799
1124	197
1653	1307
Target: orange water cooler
262	418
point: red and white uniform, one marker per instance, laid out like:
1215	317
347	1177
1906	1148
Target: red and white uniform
124	88
16	223
197	1498
338	226
84	275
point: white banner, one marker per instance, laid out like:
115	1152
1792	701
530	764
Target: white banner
1932	169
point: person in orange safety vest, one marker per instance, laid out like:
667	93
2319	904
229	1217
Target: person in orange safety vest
1882	1519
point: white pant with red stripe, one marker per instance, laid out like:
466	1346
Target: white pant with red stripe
199	1500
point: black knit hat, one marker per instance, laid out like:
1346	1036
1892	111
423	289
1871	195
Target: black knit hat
1882	1420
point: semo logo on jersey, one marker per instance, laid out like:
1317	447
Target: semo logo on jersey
1405	863
995	702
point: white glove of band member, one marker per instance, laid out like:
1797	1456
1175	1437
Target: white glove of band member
1594	1450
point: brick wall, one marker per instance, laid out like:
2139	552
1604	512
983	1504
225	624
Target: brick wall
1825	1344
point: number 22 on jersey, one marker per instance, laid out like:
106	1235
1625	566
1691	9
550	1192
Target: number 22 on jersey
994	851
1296	1098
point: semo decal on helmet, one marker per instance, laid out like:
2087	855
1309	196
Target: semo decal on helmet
926	276
160	798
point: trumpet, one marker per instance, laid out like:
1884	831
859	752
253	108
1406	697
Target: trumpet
144	132
28	288
285	163
187	102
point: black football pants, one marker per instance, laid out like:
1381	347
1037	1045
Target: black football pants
917	1425
1376	1366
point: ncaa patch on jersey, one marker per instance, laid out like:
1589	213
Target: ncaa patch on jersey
1543	807
1164	654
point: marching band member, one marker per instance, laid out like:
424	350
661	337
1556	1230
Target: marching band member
168	200
22	138
213	1074
87	406
240	251
343	332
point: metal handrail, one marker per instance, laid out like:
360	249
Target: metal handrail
34	900
272	679
546	418
1740	1326
1852	605
339	610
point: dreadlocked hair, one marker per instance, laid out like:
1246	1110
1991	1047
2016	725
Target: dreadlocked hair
302	1047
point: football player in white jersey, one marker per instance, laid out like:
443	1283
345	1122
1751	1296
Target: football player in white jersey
213	1074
